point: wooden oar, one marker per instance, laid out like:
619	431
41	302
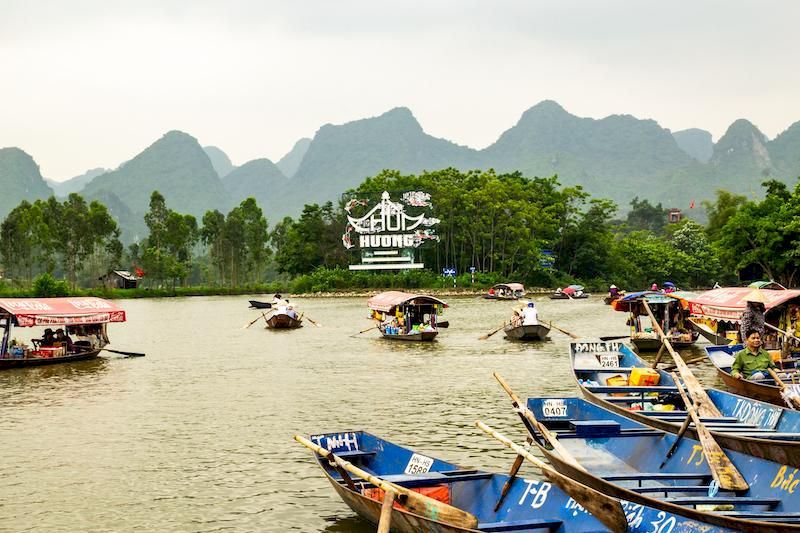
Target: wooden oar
674	446
605	508
659	355
793	400
533	426
257	319
565	332
512	475
413	501
705	407
385	522
365	330
722	469
314	322
129	354
484	337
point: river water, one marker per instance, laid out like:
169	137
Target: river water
197	435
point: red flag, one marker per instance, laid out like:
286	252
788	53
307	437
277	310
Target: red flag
691	205
139	272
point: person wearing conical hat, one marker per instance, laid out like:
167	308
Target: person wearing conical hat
753	315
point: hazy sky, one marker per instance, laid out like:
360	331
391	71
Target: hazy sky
87	84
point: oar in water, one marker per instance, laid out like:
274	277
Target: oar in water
605	508
129	354
257	319
614	337
366	330
413	501
722	469
790	397
484	337
562	330
314	322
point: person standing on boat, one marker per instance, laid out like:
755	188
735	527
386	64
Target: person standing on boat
753	315
753	361
277	301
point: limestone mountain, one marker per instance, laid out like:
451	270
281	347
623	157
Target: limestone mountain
341	157
177	167
741	158
695	142
63	189
614	157
219	160
260	179
20	179
785	153
291	161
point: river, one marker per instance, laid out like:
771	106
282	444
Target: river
197	435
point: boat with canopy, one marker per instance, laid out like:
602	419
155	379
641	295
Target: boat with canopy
506	291
433	495
570	292
717	313
671	310
83	319
404	316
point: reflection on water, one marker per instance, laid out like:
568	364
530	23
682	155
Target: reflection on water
197	434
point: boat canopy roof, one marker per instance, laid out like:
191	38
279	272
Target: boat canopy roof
61	311
386	301
728	303
652	297
767	285
512	286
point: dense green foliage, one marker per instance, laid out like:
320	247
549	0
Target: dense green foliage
508	226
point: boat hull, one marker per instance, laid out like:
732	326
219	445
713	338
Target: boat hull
422	336
42	361
562	296
527	333
281	321
260	305
722	357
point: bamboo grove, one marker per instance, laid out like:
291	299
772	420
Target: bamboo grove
506	226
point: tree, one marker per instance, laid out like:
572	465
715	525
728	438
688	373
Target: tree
645	216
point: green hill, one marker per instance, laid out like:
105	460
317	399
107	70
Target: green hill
20	179
260	179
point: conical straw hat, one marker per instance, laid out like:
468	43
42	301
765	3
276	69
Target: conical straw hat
756	296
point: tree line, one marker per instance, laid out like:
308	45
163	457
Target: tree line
507	226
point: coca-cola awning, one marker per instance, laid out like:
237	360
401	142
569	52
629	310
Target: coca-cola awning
61	311
728	303
386	301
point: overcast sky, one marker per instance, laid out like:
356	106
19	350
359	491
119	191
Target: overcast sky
87	84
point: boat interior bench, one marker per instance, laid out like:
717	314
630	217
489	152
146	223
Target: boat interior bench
658	477
354	454
723	500
517	525
428	478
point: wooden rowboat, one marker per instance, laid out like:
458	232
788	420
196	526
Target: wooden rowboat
529	505
284	321
417	315
418	336
765	389
625	459
746	425
71	313
535	332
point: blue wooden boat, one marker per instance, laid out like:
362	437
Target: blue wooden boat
625	459
765	389
530	505
746	425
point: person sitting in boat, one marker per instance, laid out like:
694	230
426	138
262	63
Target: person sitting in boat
753	361
48	339
63	340
290	311
613	291
491	291
530	315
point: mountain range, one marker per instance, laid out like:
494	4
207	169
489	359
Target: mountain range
617	157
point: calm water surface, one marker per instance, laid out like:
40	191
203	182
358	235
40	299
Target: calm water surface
197	435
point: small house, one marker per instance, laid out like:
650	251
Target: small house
674	215
120	279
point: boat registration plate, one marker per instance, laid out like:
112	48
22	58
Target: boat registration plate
609	360
552	408
418	464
